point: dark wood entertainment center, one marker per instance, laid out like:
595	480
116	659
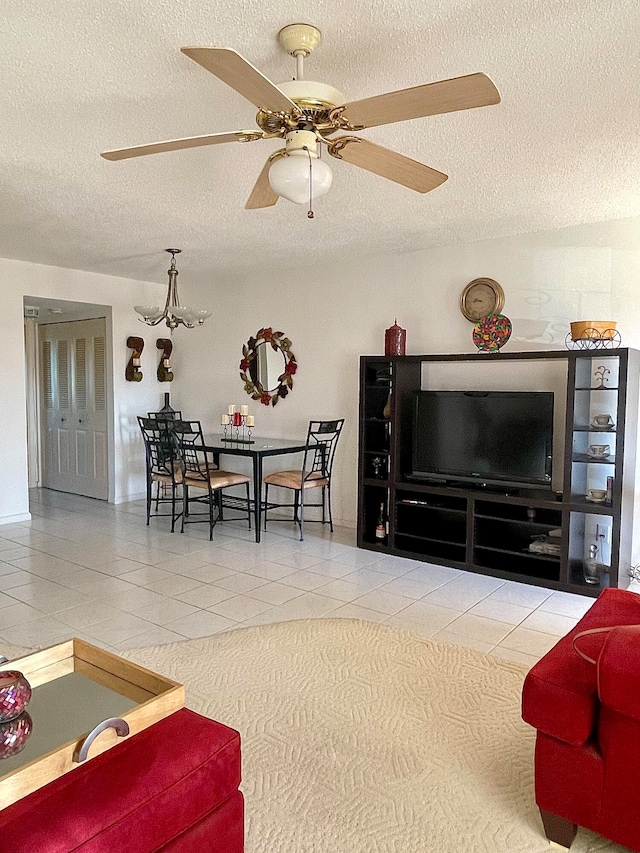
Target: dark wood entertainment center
491	531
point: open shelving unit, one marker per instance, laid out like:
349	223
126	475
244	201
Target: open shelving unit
491	532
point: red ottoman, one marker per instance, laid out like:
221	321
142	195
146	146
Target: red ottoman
172	787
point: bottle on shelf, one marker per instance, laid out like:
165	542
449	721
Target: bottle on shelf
381	526
591	566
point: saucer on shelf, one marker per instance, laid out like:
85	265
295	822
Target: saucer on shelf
595	500
598	455
603	427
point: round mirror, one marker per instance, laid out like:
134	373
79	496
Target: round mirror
267	366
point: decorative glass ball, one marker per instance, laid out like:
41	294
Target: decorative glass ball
15	693
14	735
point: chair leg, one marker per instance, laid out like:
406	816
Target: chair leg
149	498
211	521
324	496
296	505
266	503
185	504
301	521
173	507
330	513
248	505
558	830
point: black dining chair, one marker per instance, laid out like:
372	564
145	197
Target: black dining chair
162	489
164	465
176	415
322	440
200	472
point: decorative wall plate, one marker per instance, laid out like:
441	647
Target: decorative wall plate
492	332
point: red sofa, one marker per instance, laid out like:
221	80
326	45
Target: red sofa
587	756
173	788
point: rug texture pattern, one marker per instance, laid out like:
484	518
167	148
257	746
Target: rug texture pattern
359	738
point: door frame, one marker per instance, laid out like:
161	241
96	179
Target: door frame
90	311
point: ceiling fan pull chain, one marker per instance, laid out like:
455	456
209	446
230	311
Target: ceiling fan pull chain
310	213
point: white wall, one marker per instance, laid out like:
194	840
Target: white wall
19	279
335	314
332	315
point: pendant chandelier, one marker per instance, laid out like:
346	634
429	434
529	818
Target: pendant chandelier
173	313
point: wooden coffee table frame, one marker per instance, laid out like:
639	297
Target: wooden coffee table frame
157	697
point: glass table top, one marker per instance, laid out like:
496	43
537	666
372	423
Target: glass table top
266	446
63	710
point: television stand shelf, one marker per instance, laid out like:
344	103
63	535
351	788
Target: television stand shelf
524	534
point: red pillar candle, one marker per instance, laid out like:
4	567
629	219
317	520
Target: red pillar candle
395	340
237	419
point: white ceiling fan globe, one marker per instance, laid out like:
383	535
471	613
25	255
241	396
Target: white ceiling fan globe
290	176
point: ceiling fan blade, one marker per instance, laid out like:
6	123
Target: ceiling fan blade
235	71
386	163
180	144
445	96
262	195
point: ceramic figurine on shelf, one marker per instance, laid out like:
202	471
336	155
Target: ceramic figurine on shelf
601	376
377	463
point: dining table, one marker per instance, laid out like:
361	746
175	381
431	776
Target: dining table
257	450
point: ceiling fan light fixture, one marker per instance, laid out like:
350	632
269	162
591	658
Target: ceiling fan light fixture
306	113
291	175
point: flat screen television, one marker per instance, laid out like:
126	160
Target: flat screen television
493	438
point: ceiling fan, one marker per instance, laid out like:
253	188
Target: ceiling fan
307	114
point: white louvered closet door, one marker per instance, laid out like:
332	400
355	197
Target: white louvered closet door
73	407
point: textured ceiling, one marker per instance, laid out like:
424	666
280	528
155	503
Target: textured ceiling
563	147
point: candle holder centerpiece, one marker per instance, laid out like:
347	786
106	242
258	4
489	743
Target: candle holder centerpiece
238	425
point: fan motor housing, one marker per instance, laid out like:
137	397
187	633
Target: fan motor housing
315	101
308	93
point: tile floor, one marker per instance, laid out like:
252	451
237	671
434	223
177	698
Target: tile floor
88	569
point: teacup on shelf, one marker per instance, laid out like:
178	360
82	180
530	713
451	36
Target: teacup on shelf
597	494
604	421
598	451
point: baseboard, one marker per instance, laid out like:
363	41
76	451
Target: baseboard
344	522
125	499
15	519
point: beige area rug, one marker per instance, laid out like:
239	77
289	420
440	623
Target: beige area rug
363	738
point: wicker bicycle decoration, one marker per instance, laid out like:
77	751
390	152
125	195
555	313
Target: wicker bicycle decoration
593	334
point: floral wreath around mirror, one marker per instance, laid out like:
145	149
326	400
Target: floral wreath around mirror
248	366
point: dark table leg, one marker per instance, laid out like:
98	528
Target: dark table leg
216	462
257	493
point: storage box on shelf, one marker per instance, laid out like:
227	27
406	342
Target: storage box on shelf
528	535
